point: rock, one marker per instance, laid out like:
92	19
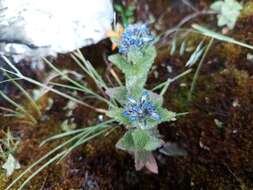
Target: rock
30	28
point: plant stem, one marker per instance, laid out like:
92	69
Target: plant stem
113	73
19	107
167	83
27	95
195	77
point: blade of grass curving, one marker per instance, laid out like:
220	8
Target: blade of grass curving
110	131
165	85
85	89
9	110
218	36
55	91
15	115
43	158
70	87
85	138
91	71
61	155
196	54
182	48
11	65
69	133
195	77
19	107
115	76
66	86
64	76
78	136
173	46
27	95
9	80
80	90
63	94
40	169
61	135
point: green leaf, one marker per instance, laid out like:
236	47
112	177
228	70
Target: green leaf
116	113
11	165
145	140
120	62
153	144
195	56
131	8
216	6
145	159
126	142
119	8
140	138
118	93
227	11
167	115
137	74
157	99
210	33
136	68
172	149
182	48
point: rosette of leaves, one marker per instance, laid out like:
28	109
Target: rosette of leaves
228	12
146	110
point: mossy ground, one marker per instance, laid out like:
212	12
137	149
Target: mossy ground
219	157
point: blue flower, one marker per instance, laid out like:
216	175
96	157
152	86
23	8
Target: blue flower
141	110
135	37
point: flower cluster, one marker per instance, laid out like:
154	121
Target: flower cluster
134	37
141	110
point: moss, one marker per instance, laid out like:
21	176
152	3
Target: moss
228	52
218	155
3	180
247	9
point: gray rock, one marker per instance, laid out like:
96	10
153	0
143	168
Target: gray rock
31	29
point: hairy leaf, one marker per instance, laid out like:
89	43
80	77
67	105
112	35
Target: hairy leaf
117	93
228	12
145	159
11	165
126	142
172	149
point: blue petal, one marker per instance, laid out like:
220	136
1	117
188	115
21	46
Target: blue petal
155	116
135	36
131	100
144	97
133	118
126	113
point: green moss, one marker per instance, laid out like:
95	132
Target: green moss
247	9
227	96
3	180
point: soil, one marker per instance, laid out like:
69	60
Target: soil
220	157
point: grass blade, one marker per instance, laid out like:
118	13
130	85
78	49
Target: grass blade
218	36
19	107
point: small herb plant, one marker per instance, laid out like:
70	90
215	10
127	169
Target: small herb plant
228	12
130	104
140	110
126	13
8	148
